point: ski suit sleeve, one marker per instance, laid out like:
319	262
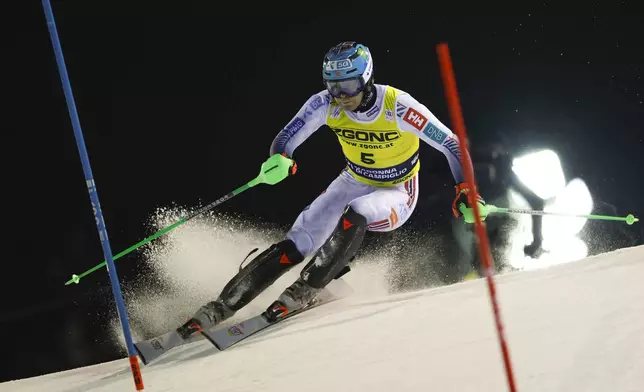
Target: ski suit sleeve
416	118
310	117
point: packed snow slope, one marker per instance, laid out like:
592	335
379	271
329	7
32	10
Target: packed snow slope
570	327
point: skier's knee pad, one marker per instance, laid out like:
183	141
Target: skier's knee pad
335	254
260	273
351	217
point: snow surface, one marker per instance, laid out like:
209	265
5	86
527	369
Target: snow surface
577	326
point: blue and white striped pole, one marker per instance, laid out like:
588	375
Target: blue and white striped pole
93	194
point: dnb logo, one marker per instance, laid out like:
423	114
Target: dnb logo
434	133
235	330
337	65
416	119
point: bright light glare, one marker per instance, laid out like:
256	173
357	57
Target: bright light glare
541	172
559	252
574	199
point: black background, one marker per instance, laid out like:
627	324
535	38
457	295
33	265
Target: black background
179	103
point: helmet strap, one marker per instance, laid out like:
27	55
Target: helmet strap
368	98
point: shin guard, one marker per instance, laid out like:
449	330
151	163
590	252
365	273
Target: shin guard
259	274
334	256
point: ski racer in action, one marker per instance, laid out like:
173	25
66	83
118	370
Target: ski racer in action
379	128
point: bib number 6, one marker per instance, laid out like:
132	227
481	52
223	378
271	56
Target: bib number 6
367	158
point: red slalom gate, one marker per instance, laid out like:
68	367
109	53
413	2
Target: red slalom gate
456	114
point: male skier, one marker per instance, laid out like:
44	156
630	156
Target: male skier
379	128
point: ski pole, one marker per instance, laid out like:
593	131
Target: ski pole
267	175
629	219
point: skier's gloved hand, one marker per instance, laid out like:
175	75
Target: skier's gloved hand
276	168
293	167
463	204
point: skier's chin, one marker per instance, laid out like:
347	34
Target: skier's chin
349	104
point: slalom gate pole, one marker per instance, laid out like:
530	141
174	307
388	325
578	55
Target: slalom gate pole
93	194
456	114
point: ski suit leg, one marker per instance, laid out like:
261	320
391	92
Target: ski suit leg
380	209
316	222
387	209
312	227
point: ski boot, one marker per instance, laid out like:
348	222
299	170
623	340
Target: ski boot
248	283
206	317
330	262
297	296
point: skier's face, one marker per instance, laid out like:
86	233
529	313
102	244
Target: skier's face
350	103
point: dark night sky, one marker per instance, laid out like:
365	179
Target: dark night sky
179	104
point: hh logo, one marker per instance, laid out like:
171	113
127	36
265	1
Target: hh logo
416	119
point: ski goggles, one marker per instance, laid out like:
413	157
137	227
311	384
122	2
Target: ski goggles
346	87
